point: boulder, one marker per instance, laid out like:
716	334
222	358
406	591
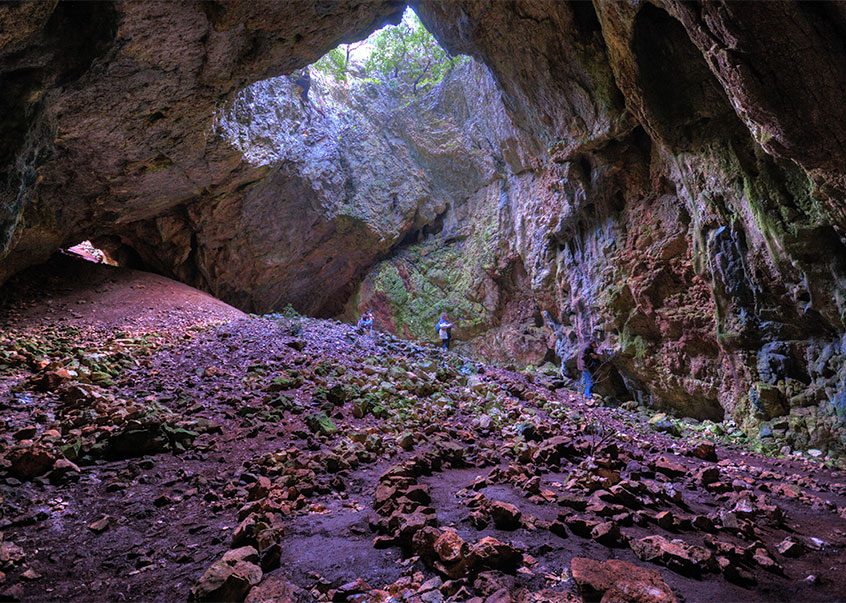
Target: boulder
619	581
704	450
29	460
505	515
230	578
450	547
274	589
689	560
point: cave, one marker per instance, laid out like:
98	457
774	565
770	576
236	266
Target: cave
198	415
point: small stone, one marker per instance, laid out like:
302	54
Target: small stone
707	475
100	526
669	468
430	584
790	548
705	450
63	470
703	523
607	533
31	575
762	558
163	501
580	526
228	579
494	554
815	453
355	587
815	543
11	555
30	461
666	520
406	440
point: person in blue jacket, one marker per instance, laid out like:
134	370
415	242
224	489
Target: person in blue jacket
366	321
444	329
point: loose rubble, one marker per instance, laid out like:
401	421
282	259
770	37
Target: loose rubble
284	458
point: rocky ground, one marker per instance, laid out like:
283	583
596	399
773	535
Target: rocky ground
159	445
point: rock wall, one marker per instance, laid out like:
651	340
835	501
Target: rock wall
108	110
664	176
689	221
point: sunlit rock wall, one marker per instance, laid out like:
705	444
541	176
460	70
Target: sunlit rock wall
690	223
108	109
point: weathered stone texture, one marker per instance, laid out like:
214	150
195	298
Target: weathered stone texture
664	176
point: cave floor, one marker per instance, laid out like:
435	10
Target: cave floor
359	467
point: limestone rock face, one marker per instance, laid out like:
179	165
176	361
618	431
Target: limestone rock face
108	110
691	225
665	177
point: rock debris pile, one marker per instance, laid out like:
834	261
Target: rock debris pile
286	458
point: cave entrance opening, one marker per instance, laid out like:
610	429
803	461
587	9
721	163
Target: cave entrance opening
404	59
109	250
88	252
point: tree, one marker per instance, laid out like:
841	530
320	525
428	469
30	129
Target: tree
337	61
408	54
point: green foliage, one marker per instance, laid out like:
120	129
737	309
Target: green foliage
336	63
405	57
408	55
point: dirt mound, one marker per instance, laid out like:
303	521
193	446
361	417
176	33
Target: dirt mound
71	291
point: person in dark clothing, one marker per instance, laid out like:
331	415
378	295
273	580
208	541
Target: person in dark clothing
303	82
588	362
444	329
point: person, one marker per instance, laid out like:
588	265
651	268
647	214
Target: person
303	83
588	361
366	321
444	328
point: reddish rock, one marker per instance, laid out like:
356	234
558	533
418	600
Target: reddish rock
52	380
676	554
230	578
580	526
505	515
492	581
11	555
666	520
494	554
276	588
574	501
608	534
669	468
423	543
707	475
28	461
407	524
704	450
703	523
616	580
64	470
450	547
762	557
101	525
260	489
